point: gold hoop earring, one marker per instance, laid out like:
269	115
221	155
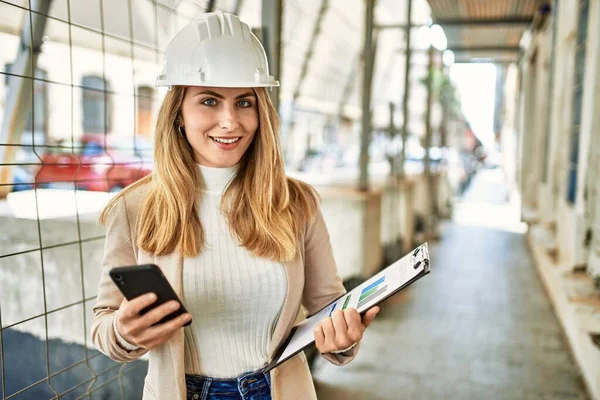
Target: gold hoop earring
181	132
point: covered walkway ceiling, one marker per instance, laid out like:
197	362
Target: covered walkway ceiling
484	29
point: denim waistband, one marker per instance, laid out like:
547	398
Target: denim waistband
242	385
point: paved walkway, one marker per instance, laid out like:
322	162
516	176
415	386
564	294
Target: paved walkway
480	326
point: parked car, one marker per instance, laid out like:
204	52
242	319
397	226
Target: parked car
22	179
96	162
320	160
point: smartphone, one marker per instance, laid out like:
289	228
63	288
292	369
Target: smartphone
136	280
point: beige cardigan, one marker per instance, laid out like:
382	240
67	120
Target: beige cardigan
312	281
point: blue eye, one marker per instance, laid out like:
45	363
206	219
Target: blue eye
244	103
209	102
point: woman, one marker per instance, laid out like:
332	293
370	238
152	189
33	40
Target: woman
242	245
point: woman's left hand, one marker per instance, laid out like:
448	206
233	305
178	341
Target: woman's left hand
342	329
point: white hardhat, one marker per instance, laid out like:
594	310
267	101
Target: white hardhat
216	49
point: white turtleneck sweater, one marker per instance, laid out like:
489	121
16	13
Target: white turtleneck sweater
233	296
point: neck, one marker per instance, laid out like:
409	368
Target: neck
216	179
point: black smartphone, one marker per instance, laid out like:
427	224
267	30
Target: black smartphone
136	280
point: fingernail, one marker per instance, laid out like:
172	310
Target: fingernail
151	296
187	317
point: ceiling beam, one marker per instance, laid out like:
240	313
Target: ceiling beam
486	60
458	22
473	49
491	49
523	22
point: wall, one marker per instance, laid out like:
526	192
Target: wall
354	222
589	157
64	121
564	236
547	201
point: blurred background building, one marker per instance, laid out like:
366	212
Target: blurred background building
468	124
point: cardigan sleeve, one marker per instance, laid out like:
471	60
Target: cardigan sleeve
322	284
119	250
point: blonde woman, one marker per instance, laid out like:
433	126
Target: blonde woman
242	245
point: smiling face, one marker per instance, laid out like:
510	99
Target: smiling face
219	123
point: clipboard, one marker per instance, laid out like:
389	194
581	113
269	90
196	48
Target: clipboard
389	281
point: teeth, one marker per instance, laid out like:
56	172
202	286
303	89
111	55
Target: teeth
227	141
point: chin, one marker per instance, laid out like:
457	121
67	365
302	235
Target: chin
225	163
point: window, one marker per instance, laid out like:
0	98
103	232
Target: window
95	105
145	101
577	99
40	103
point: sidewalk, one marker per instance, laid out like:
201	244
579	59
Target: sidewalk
480	326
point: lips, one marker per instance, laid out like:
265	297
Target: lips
226	143
225	140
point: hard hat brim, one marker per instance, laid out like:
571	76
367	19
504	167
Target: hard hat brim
166	83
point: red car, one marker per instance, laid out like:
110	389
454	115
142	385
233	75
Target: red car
96	163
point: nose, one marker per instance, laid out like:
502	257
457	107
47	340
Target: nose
228	119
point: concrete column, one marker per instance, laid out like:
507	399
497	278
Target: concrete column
405	97
559	117
568	220
518	125
368	57
431	216
20	90
392	156
539	126
445	103
237	6
528	185
499	100
547	197
272	12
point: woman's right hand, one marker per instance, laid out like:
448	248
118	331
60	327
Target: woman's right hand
138	330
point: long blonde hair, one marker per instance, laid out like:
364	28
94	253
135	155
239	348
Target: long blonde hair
265	209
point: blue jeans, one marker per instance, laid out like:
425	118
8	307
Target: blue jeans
249	386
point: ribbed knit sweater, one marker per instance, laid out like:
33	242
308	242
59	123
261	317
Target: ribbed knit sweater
234	297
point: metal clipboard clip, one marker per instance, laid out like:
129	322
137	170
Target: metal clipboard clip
420	257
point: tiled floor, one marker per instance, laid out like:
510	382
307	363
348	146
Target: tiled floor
480	326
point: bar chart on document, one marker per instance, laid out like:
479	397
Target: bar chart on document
371	292
374	290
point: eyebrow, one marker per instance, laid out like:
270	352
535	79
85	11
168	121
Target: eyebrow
215	94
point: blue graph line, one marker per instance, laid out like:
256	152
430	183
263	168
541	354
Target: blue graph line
332	308
372	285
